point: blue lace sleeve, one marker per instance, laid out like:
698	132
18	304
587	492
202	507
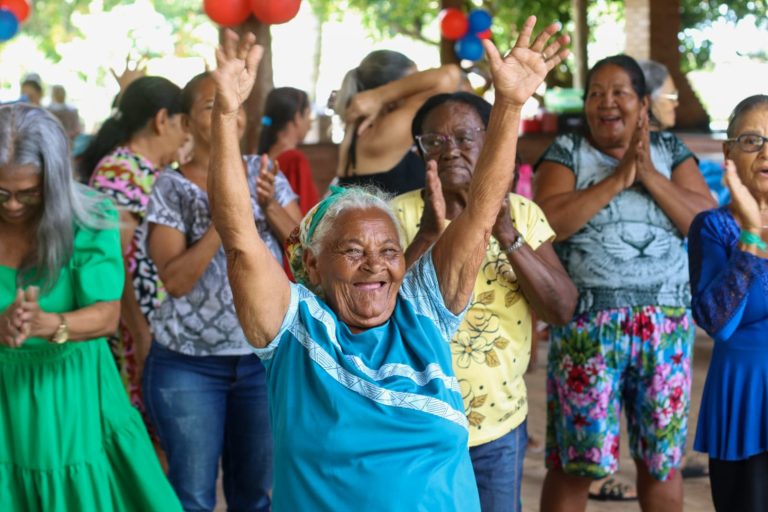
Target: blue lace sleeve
721	274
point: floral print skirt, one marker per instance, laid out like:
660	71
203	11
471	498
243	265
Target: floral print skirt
636	357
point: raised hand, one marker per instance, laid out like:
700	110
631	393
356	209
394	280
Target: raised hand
518	74
129	73
236	62
743	204
265	182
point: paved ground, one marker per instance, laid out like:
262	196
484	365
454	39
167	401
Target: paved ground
697	492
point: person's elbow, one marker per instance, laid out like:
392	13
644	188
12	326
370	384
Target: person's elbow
450	78
176	288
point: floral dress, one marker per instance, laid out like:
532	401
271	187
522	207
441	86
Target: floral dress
128	177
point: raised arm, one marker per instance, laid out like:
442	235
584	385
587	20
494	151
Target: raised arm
254	274
459	251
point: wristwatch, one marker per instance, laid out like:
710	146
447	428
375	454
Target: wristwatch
61	334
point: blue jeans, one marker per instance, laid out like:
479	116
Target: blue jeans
205	409
498	469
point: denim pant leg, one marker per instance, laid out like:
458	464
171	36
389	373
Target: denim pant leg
247	459
186	398
498	469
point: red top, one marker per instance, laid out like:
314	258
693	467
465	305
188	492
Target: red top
295	167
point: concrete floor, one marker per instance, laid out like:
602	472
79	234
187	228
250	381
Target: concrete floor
697	491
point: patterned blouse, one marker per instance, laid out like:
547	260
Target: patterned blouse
203	322
128	177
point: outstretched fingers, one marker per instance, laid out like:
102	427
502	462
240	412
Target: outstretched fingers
556	52
523	40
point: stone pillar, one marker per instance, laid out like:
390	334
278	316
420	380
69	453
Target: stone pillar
652	27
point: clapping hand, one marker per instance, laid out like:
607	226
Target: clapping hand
265	182
12	326
433	217
518	74
236	62
743	204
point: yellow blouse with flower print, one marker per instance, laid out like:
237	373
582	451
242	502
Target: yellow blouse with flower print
492	348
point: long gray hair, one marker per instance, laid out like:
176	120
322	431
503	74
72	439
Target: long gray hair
30	136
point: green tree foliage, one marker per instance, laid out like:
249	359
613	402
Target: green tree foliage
387	17
51	22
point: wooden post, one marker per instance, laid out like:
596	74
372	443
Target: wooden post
579	46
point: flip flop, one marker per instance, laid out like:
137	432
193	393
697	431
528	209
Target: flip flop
612	490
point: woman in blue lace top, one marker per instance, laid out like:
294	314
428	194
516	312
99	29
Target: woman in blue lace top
729	282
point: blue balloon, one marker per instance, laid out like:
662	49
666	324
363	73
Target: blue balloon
479	21
9	24
469	47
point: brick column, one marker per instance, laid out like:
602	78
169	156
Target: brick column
652	27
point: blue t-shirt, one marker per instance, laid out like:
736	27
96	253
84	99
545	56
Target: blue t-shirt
630	253
203	322
371	421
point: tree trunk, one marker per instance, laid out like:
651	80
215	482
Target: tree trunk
447	55
254	105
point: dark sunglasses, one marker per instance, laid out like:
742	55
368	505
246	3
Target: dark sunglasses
27	197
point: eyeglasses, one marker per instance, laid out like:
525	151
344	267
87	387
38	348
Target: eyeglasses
671	96
749	142
434	143
27	197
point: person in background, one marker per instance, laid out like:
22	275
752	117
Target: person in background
204	388
365	409
519	274
286	121
377	102
664	98
123	161
621	199
70	439
32	89
67	114
729	272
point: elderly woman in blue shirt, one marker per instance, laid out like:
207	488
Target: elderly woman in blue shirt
365	410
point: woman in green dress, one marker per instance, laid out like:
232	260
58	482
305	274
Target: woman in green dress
69	439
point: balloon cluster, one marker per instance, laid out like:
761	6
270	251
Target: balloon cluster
12	14
467	30
234	12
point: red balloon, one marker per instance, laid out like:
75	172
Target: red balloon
227	12
274	12
485	34
453	23
20	8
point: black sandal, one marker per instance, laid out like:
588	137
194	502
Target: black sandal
612	490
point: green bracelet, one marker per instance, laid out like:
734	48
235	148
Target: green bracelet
749	238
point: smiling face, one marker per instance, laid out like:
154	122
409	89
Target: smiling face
751	167
612	107
457	158
24	185
360	268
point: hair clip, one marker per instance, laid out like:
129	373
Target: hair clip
266	121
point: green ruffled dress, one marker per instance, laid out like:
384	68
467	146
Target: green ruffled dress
69	438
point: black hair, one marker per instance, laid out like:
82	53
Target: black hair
189	91
139	103
630	67
744	106
280	108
